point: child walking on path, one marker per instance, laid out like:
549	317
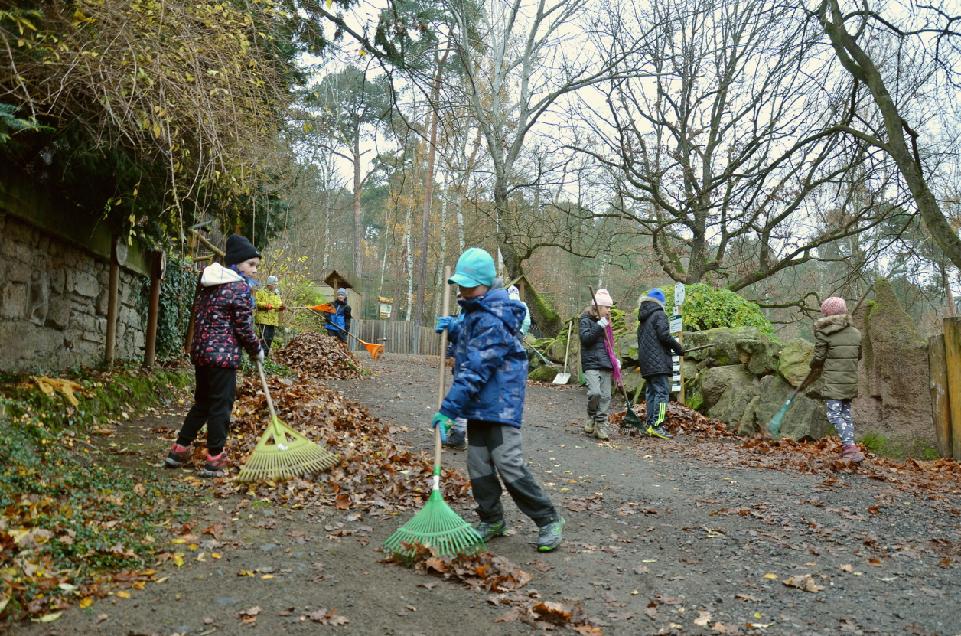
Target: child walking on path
598	362
488	390
223	323
837	351
654	347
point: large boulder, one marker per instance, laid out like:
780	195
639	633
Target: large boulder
543	373
715	382
805	419
760	355
795	361
894	396
724	346
734	403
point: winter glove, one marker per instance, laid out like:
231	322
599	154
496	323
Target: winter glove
445	425
443	322
260	356
602	322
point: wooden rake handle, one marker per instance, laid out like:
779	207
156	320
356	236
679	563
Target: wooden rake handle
270	402
442	371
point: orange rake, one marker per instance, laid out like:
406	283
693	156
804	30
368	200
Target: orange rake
374	349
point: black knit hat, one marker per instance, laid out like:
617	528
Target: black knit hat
239	249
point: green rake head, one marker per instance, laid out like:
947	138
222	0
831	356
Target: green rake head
283	453
437	527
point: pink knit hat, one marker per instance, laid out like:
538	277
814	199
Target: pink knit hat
834	306
603	298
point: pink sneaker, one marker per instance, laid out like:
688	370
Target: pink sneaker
178	456
852	453
215	466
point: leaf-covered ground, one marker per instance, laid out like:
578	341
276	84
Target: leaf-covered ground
705	534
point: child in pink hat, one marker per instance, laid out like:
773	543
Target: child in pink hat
836	355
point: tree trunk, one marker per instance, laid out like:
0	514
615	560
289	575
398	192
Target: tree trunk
860	65
433	117
543	314
358	220
409	260
442	260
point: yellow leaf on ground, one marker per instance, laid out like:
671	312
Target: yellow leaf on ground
123	594
47	618
86	602
179	559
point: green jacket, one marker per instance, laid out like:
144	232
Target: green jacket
837	351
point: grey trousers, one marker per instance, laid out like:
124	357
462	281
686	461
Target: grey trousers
494	450
598	394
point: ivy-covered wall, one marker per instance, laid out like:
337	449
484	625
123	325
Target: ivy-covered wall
176	300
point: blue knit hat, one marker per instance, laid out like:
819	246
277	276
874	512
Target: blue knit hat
475	267
656	294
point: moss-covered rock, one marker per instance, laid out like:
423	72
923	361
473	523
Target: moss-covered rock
805	419
740	388
716	382
542	373
794	362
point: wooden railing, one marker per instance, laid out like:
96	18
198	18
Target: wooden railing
398	336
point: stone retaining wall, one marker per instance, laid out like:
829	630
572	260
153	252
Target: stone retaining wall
53	303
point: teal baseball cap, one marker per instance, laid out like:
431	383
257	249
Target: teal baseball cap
474	267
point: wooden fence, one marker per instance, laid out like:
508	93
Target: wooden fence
944	358
398	336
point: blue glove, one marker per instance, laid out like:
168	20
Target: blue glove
445	425
443	322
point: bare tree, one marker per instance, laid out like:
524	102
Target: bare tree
725	146
518	62
928	39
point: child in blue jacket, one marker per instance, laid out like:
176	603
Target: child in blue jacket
488	390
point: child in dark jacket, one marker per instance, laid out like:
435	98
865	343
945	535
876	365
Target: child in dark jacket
837	351
223	322
598	362
654	347
488	390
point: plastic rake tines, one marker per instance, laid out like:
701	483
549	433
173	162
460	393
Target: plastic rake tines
282	453
436	527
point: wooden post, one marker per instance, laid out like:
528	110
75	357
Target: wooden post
952	364
940	404
153	309
112	302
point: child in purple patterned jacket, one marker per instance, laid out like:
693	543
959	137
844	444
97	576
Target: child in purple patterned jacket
223	324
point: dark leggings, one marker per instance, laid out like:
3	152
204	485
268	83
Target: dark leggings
213	402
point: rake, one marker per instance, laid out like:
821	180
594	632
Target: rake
436	526
374	349
774	426
282	452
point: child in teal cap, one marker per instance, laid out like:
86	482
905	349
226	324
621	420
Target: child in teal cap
490	377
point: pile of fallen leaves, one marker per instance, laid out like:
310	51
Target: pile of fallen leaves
505	581
319	356
375	475
711	440
679	419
